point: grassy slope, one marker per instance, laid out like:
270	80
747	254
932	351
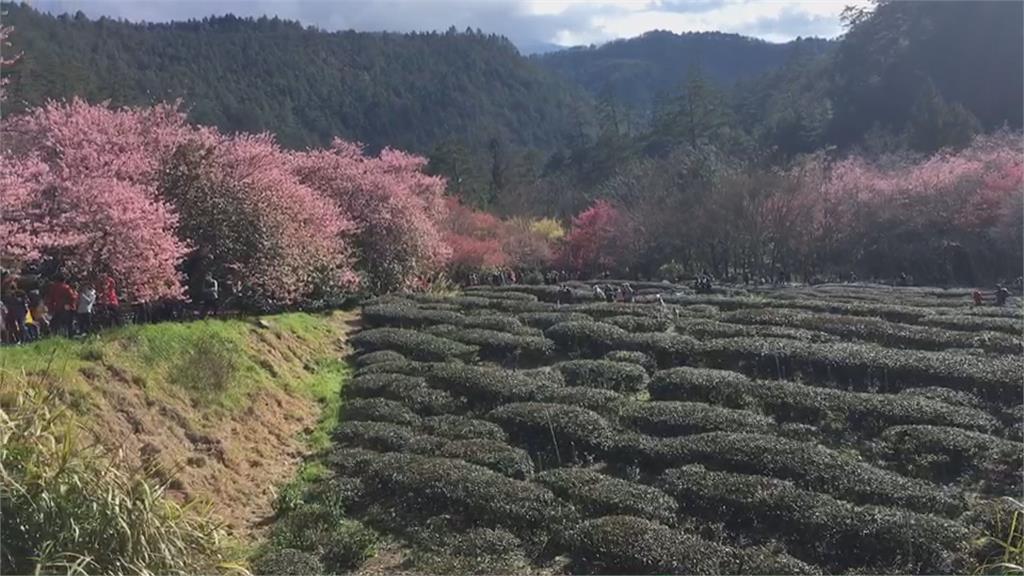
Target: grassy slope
206	373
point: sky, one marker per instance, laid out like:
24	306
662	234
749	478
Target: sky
530	24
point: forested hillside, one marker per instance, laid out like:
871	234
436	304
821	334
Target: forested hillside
637	70
305	85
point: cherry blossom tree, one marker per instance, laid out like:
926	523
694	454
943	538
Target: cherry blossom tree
601	239
78	187
397	210
253	223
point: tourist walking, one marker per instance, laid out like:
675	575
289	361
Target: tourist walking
85	307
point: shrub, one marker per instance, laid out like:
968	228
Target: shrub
944	395
682	418
475	551
545	320
666	349
407	367
412	391
863	413
595	494
495	345
379	436
809	465
630	545
493	454
877	330
703	328
564	428
485	387
946	455
509	306
607	374
415	345
868	365
608	310
378	410
1011	326
432	486
501	323
594	338
840	535
378	357
322	530
632	357
462	428
407	316
286	561
519	293
596	399
351	462
639	323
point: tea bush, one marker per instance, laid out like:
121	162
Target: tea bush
632	357
485	387
607	374
378	357
949	455
462	428
414	345
412	391
596	494
682	418
378	410
542	426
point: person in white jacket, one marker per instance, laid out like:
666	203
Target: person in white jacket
86	303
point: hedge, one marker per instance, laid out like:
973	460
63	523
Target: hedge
513	294
412	391
682	418
431	486
704	328
408	367
413	344
406	316
501	323
633	357
544	293
817	527
495	345
867	365
1011	326
545	320
493	454
640	323
945	395
377	436
667	350
542	426
879	331
351	462
485	387
810	465
462	428
594	338
608	310
596	399
864	413
378	357
511	306
378	410
606	374
595	494
948	455
449	550
631	545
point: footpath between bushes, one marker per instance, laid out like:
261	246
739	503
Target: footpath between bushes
223	409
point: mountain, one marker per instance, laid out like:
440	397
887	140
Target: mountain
304	84
637	70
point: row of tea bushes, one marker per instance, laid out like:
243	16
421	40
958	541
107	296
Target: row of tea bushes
865	414
868	366
819	528
877	330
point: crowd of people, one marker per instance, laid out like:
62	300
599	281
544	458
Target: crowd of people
33	307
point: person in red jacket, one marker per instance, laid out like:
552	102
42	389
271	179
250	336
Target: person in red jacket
109	305
61	300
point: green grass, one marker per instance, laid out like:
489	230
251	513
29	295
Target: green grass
214	364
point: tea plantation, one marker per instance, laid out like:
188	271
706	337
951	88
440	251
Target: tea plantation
828	429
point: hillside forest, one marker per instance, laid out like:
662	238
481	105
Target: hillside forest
385	161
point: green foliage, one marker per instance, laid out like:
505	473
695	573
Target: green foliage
608	374
415	345
682	418
70	508
596	494
562	429
834	532
286	561
495	345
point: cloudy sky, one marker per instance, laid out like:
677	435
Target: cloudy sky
528	23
